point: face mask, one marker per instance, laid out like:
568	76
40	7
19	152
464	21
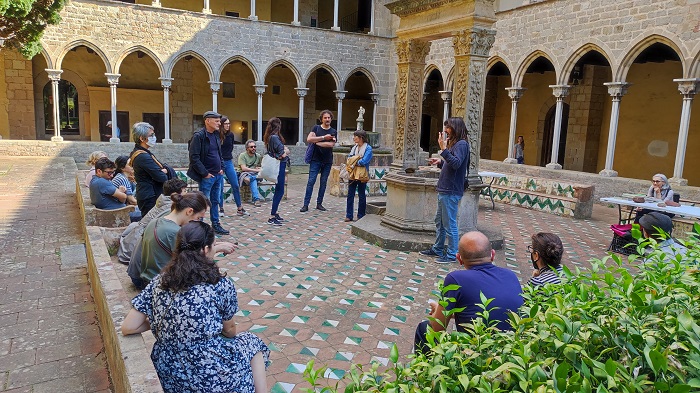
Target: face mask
151	141
534	263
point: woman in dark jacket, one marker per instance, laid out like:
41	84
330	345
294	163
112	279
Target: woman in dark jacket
274	144
149	173
226	137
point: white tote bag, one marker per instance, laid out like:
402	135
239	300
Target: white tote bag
270	168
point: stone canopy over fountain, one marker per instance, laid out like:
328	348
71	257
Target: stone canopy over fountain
411	196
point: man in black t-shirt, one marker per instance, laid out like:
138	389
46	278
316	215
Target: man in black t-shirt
324	137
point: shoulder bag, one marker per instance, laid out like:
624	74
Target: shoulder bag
270	168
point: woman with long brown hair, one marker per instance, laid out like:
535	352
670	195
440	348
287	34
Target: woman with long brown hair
227	143
274	144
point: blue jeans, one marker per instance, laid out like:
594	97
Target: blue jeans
521	160
362	202
279	188
254	191
315	168
232	178
446	225
211	188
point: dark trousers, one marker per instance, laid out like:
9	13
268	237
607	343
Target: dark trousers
146	204
316	168
420	342
279	188
361	204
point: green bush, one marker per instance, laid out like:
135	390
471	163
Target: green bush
615	327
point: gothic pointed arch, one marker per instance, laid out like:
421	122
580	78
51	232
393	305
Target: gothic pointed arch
635	50
170	63
287	64
138	48
365	71
527	61
243	60
577	54
326	67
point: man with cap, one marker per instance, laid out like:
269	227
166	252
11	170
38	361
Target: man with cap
206	165
659	226
109	134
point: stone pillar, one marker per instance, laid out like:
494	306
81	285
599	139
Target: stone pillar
335	16
214	86
371	20
375	103
252	16
296	22
446	98
616	91
514	93
260	89
411	55
687	87
301	92
166	83
560	91
206	9
471	49
340	96
55	76
113	80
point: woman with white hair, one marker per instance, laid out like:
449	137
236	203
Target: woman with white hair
662	192
149	173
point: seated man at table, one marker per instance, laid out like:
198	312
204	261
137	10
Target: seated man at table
658	226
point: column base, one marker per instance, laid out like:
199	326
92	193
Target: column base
253	17
553	165
677	181
296	23
155	4
167	141
60	139
335	28
206	11
301	144
510	161
608	173
114	140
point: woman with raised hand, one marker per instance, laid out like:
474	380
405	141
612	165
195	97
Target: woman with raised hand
190	308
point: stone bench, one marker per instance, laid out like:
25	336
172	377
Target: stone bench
376	186
265	188
93	216
547	195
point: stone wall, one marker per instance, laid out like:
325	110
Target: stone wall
20	95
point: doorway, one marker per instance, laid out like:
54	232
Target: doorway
548	136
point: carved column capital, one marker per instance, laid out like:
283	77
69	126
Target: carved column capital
112	79
617	89
515	93
560	91
476	42
340	94
54	75
166	83
412	51
214	86
301	91
446	95
260	89
688	87
374	97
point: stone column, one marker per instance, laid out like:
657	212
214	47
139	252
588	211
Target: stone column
214	86
166	83
55	76
340	96
253	15
375	101
301	92
296	22
514	93
371	20
687	87
113	80
206	9
471	49
335	16
411	55
560	91
446	96
616	91
260	89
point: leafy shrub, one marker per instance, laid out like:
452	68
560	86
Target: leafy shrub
616	327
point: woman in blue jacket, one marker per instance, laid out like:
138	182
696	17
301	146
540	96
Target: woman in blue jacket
361	148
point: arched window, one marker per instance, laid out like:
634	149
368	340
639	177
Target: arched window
67	108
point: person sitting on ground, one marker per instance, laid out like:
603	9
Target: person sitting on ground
658	226
92	159
190	308
545	253
479	275
130	239
249	166
103	194
124	176
660	190
158	240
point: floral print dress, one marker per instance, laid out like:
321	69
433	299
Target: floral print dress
190	354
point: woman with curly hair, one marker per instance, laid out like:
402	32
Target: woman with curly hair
545	253
190	308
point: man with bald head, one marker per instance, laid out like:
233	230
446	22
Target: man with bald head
479	275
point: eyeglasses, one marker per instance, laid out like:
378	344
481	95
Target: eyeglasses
109	173
252	147
656	181
530	250
227	124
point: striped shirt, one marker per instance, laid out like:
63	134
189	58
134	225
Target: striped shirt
121	180
547	276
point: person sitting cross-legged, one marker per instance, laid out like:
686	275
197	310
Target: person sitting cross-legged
479	276
249	166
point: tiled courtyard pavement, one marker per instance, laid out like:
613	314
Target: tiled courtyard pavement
309	289
49	339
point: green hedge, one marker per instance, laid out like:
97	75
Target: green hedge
619	326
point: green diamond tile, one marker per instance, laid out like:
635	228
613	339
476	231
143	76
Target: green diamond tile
361	327
348	302
268	293
320	336
275	347
406	297
375	304
282	305
403	308
385	286
360	283
282	387
383	361
289	332
336	281
341	311
300	319
391	331
397	318
330	322
354	292
353	340
389	278
293	296
345	356
328	289
297	269
368	315
380	295
257	328
271	316
320	298
289	276
309	351
414	281
242	313
365	276
303	286
384	344
312	278
296	368
334	373
279	284
256	302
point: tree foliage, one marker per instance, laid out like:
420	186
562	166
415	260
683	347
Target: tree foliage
22	23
